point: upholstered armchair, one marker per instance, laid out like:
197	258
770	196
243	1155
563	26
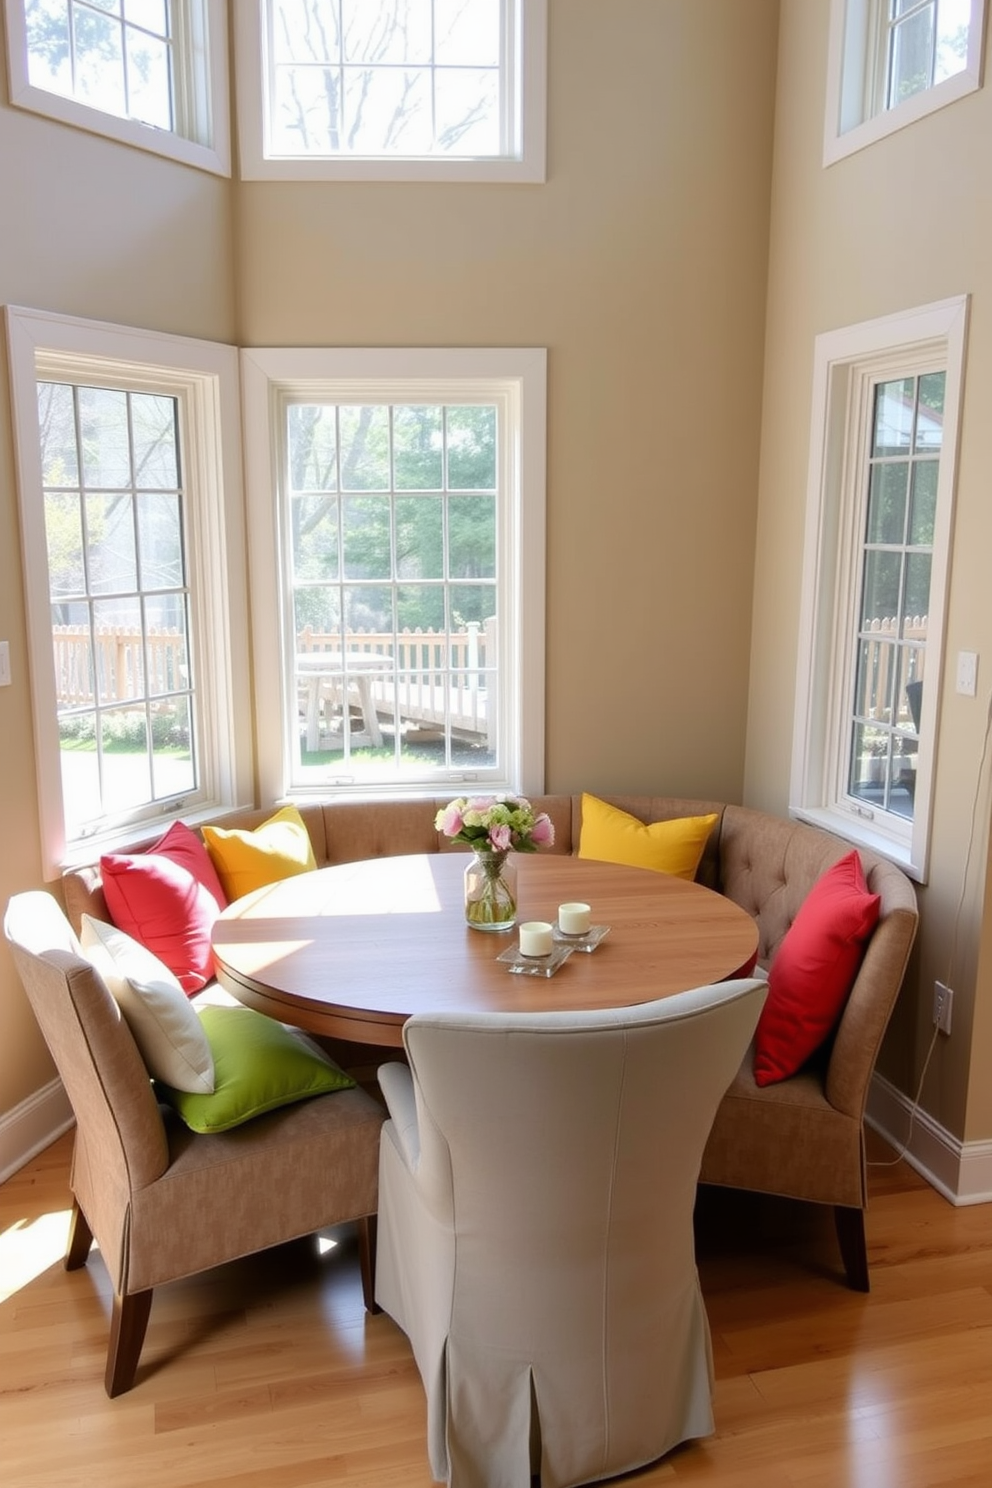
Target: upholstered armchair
162	1201
536	1189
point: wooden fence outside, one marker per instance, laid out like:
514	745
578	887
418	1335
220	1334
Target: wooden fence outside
426	675
117	668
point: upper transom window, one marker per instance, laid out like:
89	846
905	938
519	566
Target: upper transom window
893	61
390	89
150	73
113	55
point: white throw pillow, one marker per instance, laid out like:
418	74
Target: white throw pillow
165	1027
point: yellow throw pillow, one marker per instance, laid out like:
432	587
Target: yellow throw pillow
279	848
614	836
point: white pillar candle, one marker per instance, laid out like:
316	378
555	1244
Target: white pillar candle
574	919
535	938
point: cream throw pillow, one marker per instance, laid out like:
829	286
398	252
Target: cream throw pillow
164	1024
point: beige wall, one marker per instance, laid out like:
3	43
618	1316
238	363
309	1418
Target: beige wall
640	265
903	223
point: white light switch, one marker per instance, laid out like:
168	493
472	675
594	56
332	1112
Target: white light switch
4	663
967	683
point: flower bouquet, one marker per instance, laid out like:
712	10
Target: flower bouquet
493	826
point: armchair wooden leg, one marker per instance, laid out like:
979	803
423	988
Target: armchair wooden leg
850	1225
128	1322
366	1256
80	1239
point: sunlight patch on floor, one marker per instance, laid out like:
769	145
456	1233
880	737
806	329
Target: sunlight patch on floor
28	1249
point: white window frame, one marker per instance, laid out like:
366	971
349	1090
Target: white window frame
847	363
855	116
203	376
526	164
514	377
202	78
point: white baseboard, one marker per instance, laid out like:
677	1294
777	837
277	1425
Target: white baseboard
961	1171
32	1126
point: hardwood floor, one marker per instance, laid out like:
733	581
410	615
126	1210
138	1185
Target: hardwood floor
268	1374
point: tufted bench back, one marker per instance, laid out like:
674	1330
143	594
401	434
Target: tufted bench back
341	831
768	865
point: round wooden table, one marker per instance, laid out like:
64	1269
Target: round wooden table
350	952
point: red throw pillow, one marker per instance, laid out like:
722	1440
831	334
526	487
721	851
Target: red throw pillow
168	899
814	970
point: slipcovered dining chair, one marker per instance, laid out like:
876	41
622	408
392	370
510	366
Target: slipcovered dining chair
162	1201
536	1187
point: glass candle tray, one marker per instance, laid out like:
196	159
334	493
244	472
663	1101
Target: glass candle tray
544	966
587	942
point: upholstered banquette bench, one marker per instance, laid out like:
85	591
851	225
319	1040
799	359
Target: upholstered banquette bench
801	1136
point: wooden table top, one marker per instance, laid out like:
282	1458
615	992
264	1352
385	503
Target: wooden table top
353	950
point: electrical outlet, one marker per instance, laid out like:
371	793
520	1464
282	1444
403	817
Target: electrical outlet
943	999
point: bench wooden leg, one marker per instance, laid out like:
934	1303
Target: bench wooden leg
80	1240
128	1322
850	1225
366	1256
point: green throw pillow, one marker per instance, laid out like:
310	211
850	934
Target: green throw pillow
258	1065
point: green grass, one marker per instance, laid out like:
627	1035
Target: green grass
410	754
422	756
120	746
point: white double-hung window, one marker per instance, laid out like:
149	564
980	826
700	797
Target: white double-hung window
392	89
878	523
132	535
893	61
395	566
396	510
151	73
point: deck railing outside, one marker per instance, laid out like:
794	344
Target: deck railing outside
882	653
118	665
426	675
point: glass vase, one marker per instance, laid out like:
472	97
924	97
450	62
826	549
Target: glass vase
491	891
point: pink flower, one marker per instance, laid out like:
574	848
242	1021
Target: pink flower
543	831
475	810
500	837
449	819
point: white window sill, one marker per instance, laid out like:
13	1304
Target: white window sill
125	131
837	146
861	834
